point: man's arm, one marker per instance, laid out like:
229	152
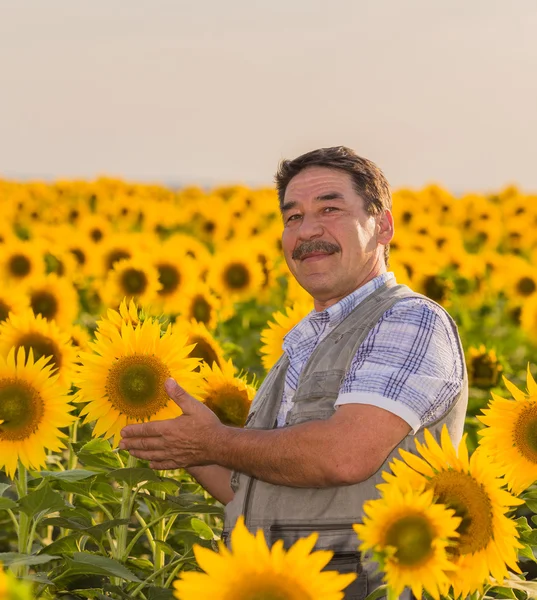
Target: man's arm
345	449
216	480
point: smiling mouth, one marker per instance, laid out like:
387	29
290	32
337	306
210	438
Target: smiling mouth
313	256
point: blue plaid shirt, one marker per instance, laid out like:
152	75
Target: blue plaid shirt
410	364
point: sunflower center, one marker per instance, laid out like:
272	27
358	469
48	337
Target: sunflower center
268	587
526	286
41	346
79	255
230	404
169	277
435	288
44	303
469	499
4	311
412	537
201	309
96	234
116	255
237	276
485	371
133	282
19	265
135	385
525	432
21	409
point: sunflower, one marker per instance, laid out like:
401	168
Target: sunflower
54	298
44	337
483	367
12	300
95	228
252	570
131	278
176	272
129	314
33	407
122	379
13	588
21	260
206	346
229	397
198	303
510	438
234	274
79	337
116	247
409	536
488	539
272	336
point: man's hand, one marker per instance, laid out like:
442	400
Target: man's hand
185	441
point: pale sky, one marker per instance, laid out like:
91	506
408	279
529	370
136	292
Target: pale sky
218	91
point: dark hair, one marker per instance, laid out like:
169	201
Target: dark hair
368	180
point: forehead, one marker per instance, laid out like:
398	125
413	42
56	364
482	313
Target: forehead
313	182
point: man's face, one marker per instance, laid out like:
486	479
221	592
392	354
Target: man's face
330	242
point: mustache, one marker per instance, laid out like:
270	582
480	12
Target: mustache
314	246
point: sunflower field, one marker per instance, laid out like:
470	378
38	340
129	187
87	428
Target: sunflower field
108	288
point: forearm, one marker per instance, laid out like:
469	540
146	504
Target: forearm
216	480
306	455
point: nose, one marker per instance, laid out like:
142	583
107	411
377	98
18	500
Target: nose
310	228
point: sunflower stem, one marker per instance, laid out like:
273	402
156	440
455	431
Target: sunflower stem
24	520
125	513
158	552
73	458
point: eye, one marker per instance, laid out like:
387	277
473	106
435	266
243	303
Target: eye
294	217
330	208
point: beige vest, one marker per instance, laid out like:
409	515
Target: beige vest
290	513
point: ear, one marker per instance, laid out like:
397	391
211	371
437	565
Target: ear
386	228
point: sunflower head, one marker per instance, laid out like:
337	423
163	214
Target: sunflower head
33	406
410	535
122	380
484	367
228	396
488	539
510	436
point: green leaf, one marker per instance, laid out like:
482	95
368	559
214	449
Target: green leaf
66	545
166	548
532	505
7	503
134	475
202	529
38	578
527	552
380	592
71	475
522	524
41	502
84	563
99	455
97	532
4	487
168	487
15	558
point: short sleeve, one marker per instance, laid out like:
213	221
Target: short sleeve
411	364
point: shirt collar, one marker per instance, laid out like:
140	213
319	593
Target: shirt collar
333	315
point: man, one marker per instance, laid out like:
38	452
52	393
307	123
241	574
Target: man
360	376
